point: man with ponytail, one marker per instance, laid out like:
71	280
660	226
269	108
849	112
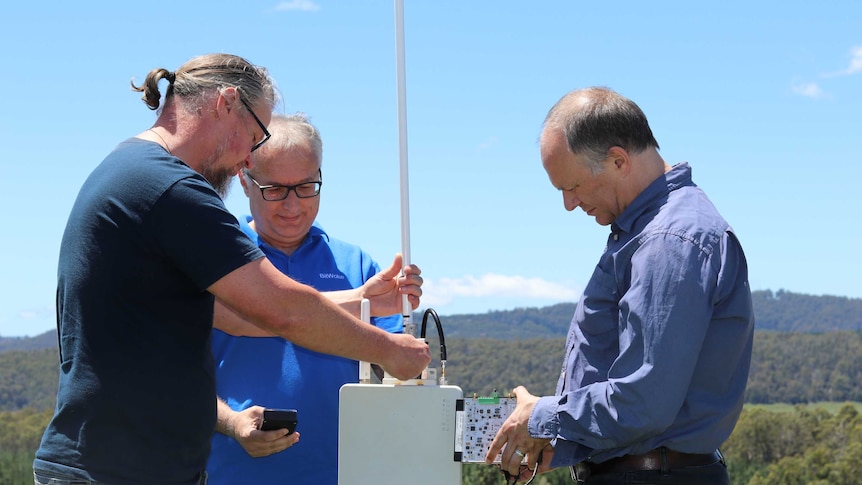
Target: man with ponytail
148	248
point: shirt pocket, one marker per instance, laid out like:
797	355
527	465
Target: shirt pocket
598	311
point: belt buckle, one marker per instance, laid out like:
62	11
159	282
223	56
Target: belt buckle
581	472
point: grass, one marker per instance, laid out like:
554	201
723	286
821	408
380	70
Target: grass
832	407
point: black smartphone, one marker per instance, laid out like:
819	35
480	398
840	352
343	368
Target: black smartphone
279	419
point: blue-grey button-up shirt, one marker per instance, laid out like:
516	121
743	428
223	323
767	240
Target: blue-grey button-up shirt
659	348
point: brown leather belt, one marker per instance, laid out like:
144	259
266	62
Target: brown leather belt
653	460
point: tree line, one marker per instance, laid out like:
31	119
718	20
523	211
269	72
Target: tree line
786	367
806	445
807	349
781	311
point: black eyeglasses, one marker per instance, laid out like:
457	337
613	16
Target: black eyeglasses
273	193
266	134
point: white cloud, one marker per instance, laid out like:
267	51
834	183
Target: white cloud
855	64
301	5
31	314
519	291
810	90
855	60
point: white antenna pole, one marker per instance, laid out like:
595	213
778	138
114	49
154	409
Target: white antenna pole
406	308
365	316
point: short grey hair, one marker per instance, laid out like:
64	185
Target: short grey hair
289	132
595	119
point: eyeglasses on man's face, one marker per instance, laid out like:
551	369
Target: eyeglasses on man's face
273	193
266	134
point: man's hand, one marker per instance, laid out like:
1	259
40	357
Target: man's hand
385	289
515	441
243	427
409	359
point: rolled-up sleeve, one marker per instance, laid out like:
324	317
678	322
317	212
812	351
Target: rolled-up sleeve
544	422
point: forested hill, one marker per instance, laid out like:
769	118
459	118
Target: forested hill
780	311
42	341
816	358
793	312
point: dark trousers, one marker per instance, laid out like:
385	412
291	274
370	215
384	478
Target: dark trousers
43	478
714	474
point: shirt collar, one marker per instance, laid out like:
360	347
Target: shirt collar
678	176
316	231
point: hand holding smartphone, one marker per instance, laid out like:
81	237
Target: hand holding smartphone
279	419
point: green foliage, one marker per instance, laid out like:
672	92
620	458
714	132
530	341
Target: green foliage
794	312
790	368
43	341
16	468
22	430
780	311
20	434
520	323
799	368
478	366
806	446
28	379
480	474
500	350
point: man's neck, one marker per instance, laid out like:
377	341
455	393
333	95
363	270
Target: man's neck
287	248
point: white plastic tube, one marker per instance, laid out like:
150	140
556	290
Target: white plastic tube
406	309
365	316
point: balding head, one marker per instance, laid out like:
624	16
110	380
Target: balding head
595	119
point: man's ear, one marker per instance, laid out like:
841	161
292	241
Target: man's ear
621	159
243	182
227	99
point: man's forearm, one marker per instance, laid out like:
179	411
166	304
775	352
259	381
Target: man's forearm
300	314
261	294
230	322
348	300
224	422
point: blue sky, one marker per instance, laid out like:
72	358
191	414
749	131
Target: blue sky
762	98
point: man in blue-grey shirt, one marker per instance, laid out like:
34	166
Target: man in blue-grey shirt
659	349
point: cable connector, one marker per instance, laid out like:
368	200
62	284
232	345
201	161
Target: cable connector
433	314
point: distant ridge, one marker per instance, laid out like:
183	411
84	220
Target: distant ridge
784	311
807	349
41	341
780	311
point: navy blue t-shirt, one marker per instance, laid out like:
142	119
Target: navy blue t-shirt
145	239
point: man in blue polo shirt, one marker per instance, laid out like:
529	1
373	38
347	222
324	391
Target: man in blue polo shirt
252	373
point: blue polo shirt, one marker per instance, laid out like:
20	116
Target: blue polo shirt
272	372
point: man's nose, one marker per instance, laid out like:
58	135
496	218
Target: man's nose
571	201
291	198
